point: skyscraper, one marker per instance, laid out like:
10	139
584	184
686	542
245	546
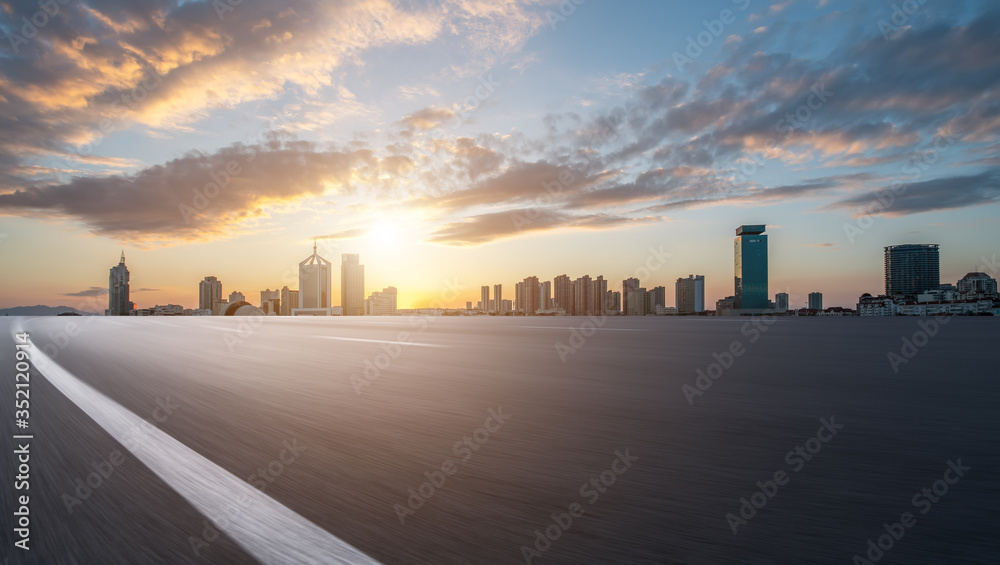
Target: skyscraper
689	295
815	300
519	305
498	298
657	297
209	292
583	292
911	269
628	285
484	298
118	290
781	301
266	295
545	295
562	288
315	284
235	297
531	305
614	304
751	267
599	296
352	285
381	303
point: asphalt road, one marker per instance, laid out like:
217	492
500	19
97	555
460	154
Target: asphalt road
304	437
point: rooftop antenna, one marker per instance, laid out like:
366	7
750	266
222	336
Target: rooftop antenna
123	257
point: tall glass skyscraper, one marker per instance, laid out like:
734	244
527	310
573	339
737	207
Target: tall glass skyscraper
911	269
352	285
751	267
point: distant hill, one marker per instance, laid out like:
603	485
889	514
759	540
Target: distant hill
43	311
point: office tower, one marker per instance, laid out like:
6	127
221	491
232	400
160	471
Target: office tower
781	301
118	290
628	285
657	297
751	267
269	294
562	288
583	290
484	300
911	269
352	285
530	291
815	300
209	292
381	303
497	298
599	296
978	284
545	295
689	295
614	305
235	297
315	286
289	299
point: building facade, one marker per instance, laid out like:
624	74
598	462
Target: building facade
750	261
689	294
498	298
781	302
209	292
628	285
911	269
381	303
815	300
118	290
352	285
315	286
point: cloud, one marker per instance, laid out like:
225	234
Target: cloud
197	196
944	193
90	292
488	227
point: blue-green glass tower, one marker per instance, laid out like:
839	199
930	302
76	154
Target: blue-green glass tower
751	267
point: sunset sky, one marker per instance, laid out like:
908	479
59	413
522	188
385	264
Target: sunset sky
423	135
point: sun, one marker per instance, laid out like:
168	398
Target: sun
384	233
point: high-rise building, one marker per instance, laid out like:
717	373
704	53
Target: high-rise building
751	267
583	296
689	295
118	290
977	284
599	296
315	286
724	306
639	302
562	288
815	300
614	302
657	297
352	285
545	295
484	300
468	305
628	285
269	294
781	302
235	297
381	303
498	298
911	269
519	297
209	292
531	302
289	300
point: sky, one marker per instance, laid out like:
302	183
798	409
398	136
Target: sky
461	143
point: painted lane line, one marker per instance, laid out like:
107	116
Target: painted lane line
378	341
268	530
569	328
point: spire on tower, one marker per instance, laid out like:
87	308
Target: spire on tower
122	262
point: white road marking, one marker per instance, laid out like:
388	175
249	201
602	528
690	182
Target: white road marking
378	341
572	328
265	528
